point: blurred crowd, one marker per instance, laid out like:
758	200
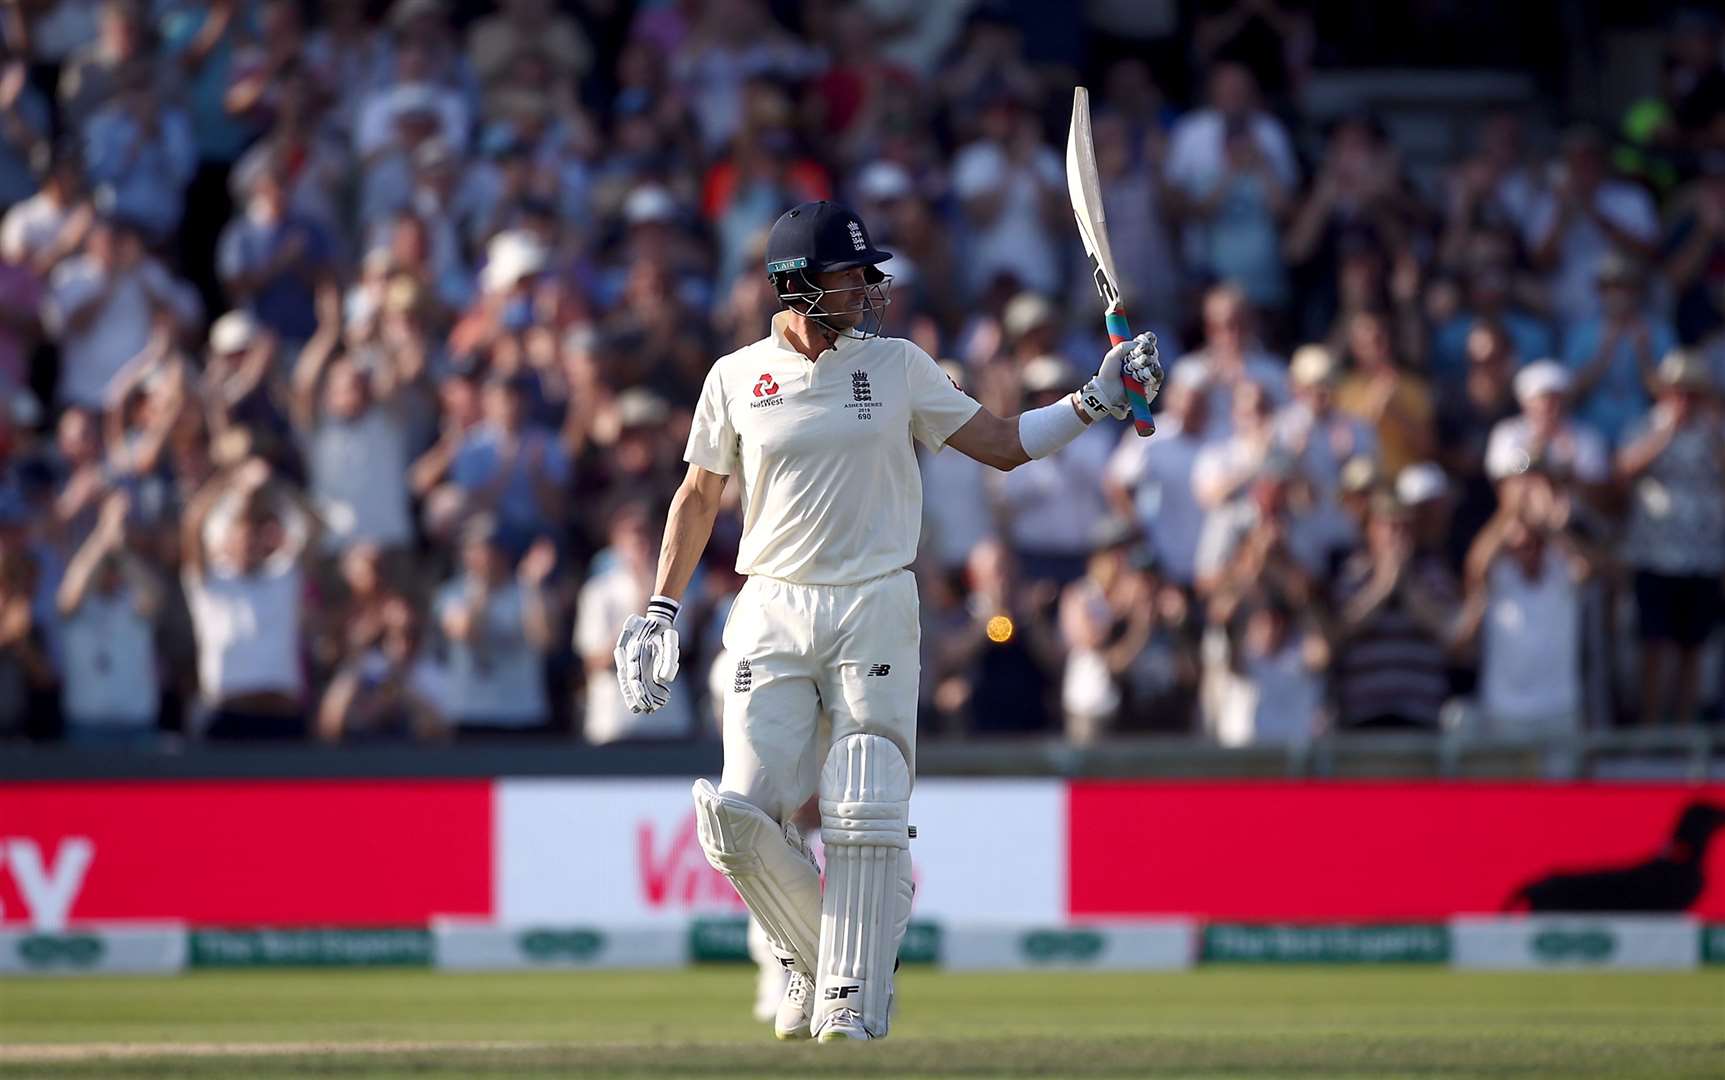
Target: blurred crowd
347	353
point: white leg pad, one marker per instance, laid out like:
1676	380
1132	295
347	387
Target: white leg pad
865	827
777	880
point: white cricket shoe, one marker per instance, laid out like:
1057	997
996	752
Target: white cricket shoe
795	1009
842	1024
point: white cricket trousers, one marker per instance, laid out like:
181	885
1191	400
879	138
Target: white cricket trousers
815	663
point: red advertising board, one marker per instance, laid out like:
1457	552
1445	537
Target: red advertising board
1371	851
259	853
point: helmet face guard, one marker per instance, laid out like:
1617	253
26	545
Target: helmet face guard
818	305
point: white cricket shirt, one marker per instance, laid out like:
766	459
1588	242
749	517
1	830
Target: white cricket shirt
822	450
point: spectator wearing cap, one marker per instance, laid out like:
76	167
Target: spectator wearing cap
1673	463
394	120
271	261
1154	485
1321	437
498	626
1398	620
614	593
1049	505
1526	575
1544	431
100	307
1232	357
512	469
109	602
51	225
354	434
1584	215
23	132
1612	356
1394	402
144	150
1694	260
244	539
1424	489
636	453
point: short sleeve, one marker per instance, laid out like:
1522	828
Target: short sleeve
712	437
937	406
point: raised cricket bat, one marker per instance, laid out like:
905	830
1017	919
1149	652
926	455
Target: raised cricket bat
1086	191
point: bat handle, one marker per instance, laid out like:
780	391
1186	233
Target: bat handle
1137	395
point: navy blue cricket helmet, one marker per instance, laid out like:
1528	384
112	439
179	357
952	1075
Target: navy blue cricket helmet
817	237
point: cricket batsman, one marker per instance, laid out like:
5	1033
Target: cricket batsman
816	421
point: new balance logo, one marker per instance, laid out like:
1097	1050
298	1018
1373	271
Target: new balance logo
839	993
744	680
859	386
880	669
765	385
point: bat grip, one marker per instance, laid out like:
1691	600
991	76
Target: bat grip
1137	395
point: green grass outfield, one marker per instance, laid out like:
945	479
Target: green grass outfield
1217	1023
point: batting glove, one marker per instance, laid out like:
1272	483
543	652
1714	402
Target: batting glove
1105	393
647	656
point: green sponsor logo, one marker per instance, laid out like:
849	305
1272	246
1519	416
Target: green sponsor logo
1713	943
921	944
549	946
786	264
1062	946
719	941
1252	943
73	951
1588	945
318	947
726	941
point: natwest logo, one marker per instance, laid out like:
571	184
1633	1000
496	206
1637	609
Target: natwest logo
765	386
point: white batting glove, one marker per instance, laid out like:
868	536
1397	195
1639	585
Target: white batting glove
1105	393
647	656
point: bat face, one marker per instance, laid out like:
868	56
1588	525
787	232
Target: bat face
1085	188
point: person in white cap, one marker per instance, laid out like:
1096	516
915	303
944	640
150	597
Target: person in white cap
1674	465
1544	431
1322	437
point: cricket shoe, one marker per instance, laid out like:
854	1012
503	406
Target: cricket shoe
840	1025
796	1008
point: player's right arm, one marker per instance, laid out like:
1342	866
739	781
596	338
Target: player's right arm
646	652
687	530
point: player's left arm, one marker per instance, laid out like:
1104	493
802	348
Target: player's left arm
1008	442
